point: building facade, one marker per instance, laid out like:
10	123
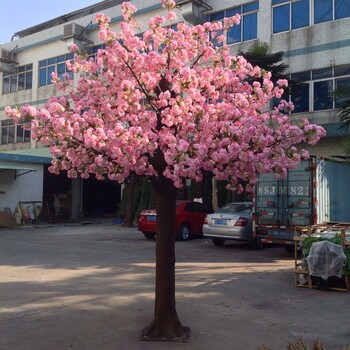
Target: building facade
313	34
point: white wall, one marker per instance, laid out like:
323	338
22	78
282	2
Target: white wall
27	187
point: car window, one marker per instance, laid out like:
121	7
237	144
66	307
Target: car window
236	208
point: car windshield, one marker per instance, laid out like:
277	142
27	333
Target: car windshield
236	208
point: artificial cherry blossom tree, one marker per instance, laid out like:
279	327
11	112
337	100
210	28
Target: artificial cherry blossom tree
169	105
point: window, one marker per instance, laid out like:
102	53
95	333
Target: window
93	50
20	80
318	87
323	98
329	10
55	64
294	14
289	15
11	133
248	27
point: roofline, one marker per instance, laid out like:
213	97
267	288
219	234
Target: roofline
25	158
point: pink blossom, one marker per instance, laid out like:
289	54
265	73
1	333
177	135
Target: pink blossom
171	16
168	104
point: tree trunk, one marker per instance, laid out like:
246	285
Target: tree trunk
215	202
165	325
128	219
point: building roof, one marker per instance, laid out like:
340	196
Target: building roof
13	166
31	155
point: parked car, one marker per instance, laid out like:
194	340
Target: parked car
189	220
233	221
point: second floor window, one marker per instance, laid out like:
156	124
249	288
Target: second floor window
329	10
292	14
11	133
55	64
20	80
248	27
289	15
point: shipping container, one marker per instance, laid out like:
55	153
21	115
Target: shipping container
316	191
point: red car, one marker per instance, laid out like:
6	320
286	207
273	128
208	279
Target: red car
189	220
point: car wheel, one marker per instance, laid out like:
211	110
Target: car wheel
218	241
149	235
258	244
184	232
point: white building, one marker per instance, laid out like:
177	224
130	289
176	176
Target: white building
314	34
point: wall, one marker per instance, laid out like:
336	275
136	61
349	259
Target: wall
28	187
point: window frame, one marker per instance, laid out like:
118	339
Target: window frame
333	75
316	12
278	4
49	65
12	133
245	10
10	81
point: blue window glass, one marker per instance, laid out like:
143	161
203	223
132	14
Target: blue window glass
301	76
281	18
43	63
300	97
323	95
52	60
250	7
217	16
69	56
232	12
250	29
341	84
234	33
29	80
300	14
61	58
42	77
275	2
50	69
322	73
342	70
13	83
11	134
323	11
21	81
61	68
6	86
342	9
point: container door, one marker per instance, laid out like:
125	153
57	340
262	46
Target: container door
298	196
268	200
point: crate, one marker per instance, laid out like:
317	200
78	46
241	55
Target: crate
307	231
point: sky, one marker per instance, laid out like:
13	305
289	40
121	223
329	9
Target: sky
16	15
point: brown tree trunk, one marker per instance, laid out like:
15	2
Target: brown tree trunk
165	325
128	219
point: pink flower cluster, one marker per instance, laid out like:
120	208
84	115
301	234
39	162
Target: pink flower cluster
168	104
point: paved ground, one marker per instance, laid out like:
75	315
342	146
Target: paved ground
91	287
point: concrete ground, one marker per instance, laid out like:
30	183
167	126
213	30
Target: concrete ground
91	287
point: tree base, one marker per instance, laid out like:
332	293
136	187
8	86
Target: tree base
182	335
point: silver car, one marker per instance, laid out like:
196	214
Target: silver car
233	221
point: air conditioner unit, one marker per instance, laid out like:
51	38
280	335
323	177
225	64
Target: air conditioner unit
72	30
7	56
